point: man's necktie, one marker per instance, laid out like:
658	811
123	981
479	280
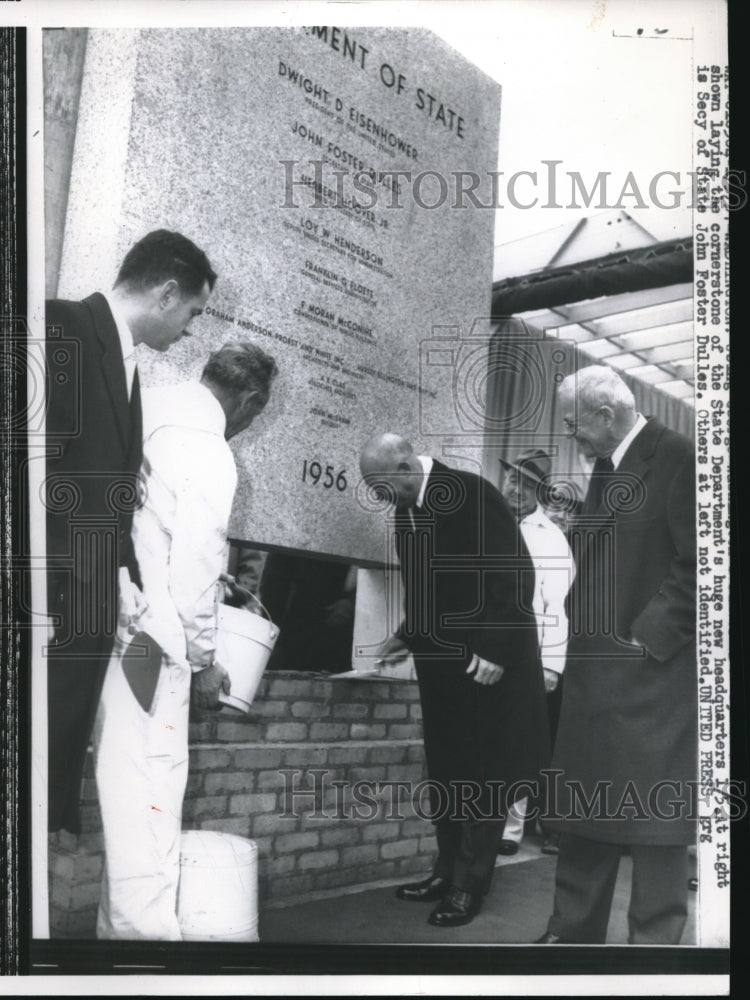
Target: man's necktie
600	474
135	393
410	522
420	517
411	518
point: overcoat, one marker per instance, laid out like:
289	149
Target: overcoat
628	726
94	448
468	589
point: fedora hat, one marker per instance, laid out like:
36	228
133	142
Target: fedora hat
534	463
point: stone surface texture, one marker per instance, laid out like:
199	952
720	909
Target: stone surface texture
375	313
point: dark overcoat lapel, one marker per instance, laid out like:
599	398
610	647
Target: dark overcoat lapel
112	364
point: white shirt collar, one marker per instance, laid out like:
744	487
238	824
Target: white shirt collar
186	404
213	409
426	462
536	517
123	330
618	453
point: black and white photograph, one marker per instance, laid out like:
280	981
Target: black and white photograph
374	547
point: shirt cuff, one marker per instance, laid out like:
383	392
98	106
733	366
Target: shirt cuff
557	666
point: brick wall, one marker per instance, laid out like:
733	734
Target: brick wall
310	775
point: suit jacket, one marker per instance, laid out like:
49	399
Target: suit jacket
94	451
629	716
468	587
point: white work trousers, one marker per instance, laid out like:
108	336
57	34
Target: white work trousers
514	823
141	762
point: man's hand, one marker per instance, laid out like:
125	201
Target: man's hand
392	651
340	613
130	601
551	680
206	685
485	672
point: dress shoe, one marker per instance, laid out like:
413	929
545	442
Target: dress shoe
428	891
457	908
551	844
507	847
550	938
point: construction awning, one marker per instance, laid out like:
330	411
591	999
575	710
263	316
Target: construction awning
632	310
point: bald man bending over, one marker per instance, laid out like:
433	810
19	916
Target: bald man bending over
468	589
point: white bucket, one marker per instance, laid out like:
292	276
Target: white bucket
217	898
244	643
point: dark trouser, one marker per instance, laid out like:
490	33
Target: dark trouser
76	663
466	852
554	703
475	746
73	691
585	882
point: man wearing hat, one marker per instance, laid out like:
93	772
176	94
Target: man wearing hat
554	570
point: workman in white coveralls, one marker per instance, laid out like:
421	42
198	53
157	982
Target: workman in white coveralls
180	541
554	571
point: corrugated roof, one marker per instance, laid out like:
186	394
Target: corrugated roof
647	333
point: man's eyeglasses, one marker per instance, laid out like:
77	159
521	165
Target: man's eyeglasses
571	426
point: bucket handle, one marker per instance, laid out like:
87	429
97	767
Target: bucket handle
242	592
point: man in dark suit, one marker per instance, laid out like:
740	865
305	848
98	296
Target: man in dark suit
94	449
628	724
469	623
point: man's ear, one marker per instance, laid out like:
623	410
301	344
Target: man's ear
403	467
608	413
250	400
168	293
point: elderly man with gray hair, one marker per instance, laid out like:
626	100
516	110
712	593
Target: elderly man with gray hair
626	744
180	542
